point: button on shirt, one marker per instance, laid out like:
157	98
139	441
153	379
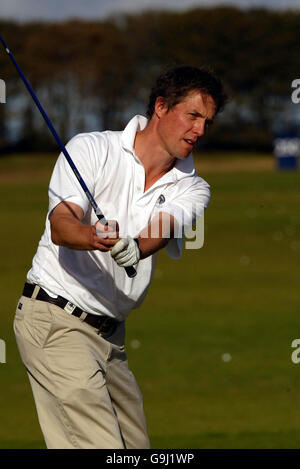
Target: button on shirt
115	176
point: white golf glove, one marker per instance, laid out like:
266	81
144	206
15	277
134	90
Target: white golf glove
126	252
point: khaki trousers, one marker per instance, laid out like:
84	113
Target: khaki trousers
85	394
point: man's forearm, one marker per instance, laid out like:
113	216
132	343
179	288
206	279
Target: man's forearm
156	235
151	246
68	230
71	233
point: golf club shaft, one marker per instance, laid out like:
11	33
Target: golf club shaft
131	272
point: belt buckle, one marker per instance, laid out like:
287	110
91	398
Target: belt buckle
105	326
98	323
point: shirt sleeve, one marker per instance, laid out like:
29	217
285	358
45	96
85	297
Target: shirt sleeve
186	208
64	185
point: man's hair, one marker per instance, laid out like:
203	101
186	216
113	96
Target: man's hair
177	83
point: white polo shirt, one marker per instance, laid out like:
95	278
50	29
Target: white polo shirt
115	176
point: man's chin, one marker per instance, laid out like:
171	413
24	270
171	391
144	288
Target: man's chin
184	155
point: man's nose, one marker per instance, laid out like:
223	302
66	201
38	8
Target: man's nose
199	128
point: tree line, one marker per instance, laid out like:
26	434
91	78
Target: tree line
94	75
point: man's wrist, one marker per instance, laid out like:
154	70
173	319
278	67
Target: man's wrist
138	245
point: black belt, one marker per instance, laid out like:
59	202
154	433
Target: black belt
103	323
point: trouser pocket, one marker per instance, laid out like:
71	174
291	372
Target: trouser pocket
33	321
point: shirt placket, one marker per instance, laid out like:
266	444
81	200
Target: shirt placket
139	182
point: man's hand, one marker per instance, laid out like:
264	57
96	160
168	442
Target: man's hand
126	252
105	236
67	230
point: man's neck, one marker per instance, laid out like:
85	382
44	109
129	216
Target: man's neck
155	159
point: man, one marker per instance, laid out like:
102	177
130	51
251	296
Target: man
69	322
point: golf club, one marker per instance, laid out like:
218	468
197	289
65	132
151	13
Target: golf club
131	272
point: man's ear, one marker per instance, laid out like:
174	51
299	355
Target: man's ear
160	107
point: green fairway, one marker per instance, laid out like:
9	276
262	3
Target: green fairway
239	295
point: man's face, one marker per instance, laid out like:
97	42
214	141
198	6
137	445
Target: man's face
180	127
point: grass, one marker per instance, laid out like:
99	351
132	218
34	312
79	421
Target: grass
238	295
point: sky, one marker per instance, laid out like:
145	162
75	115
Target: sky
59	10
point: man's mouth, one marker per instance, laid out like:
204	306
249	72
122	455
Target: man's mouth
190	142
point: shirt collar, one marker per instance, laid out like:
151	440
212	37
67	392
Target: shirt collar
136	124
182	168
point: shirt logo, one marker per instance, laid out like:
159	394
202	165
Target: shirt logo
161	200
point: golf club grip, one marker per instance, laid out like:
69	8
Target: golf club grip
130	271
